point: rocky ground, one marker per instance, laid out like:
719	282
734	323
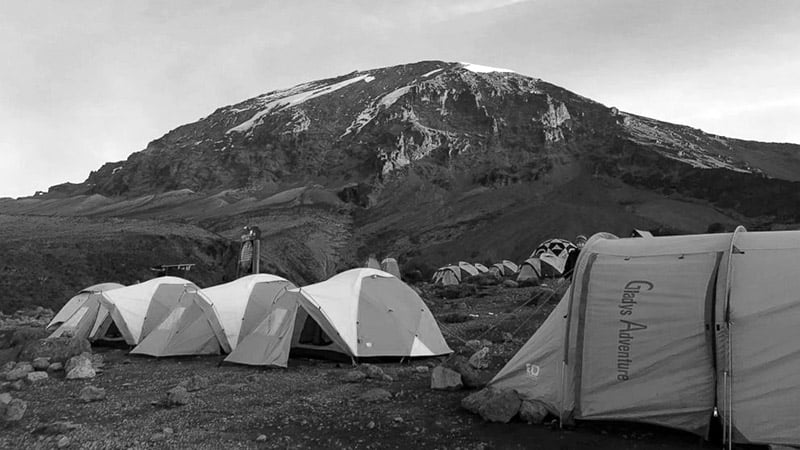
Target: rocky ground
109	399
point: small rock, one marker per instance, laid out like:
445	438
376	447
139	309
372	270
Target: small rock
8	367
532	412
55	367
177	396
196	383
261	438
510	284
486	342
15	409
422	369
480	359
473	345
79	367
92	394
19	372
371	425
445	379
155	437
398	419
36	377
461	305
375	395
353	376
508	337
5	398
17	385
167	431
41	363
63	442
372	371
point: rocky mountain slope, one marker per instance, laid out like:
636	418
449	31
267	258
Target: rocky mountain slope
429	162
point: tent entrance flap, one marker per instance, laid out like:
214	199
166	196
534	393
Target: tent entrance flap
644	350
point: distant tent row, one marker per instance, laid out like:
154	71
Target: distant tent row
453	274
388	265
672	331
260	318
552	258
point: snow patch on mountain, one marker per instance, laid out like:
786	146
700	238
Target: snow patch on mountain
477	68
425	75
291	98
367	115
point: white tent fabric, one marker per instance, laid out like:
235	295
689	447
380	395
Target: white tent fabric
359	313
664	329
389	265
76	302
481	268
192	327
241	301
140	308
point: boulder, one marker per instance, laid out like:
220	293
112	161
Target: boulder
444	379
36	377
532	411
92	394
41	363
493	405
480	359
15	410
177	396
473	402
501	407
471	377
19	372
79	367
59	349
354	376
375	395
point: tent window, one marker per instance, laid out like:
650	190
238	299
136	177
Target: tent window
312	334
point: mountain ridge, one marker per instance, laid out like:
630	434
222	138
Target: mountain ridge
429	162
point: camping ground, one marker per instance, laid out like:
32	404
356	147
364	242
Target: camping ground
312	404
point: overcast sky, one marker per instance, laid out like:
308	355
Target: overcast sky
87	82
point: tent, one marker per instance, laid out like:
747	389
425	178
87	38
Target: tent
453	274
504	268
192	327
83	315
358	313
241	303
544	266
558	247
139	309
390	265
481	268
666	330
372	263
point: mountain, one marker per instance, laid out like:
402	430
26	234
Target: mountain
429	162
